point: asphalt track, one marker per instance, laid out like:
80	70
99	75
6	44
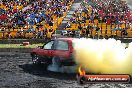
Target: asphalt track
17	71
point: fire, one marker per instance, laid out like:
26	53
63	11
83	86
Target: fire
81	71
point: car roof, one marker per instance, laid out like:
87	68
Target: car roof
67	39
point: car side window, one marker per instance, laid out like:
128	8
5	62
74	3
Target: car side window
62	45
49	45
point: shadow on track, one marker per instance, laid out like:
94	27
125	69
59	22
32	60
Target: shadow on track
40	70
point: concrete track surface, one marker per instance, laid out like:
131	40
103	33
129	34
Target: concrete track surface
17	71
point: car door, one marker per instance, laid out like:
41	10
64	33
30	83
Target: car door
47	49
61	49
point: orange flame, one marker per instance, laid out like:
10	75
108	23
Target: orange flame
81	71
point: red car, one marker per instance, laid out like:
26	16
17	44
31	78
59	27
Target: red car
58	51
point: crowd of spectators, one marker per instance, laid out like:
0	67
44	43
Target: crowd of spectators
30	13
19	12
110	12
10	9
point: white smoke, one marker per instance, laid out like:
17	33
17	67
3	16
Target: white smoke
103	56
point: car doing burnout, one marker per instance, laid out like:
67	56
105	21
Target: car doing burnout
58	50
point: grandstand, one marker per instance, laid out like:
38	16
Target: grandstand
40	18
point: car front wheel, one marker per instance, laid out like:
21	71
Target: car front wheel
35	59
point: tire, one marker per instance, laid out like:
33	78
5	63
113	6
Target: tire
81	80
56	61
35	59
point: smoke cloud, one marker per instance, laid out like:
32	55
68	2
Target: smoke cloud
103	56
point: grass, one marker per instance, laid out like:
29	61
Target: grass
20	45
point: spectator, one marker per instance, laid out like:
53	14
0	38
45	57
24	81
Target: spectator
68	25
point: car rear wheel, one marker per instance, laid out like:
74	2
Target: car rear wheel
55	65
56	61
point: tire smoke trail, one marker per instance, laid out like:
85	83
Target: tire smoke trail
103	56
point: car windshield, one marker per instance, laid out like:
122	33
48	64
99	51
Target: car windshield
49	45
